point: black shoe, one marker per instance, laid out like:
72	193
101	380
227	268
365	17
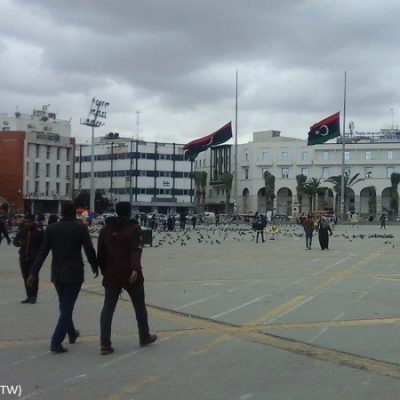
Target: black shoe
149	340
58	350
72	339
32	300
104	350
26	301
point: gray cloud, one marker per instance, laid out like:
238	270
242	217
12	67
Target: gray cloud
175	61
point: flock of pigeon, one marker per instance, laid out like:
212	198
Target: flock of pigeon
216	235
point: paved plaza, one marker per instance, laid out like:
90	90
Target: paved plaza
236	320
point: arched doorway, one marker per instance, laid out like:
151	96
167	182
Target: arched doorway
385	199
261	206
245	196
368	202
284	201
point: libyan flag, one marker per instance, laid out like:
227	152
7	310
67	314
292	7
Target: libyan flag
193	148
324	130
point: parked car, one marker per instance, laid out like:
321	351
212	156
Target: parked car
279	217
101	219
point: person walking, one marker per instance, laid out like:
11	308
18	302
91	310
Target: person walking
119	253
308	226
383	220
29	239
65	239
4	232
324	231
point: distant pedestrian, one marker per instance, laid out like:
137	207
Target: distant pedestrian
259	225
119	253
308	226
324	230
4	232
194	220
65	239
383	221
29	239
217	219
53	219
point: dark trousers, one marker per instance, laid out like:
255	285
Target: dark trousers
260	232
136	293
308	239
31	291
67	295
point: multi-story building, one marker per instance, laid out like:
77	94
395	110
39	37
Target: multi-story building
373	156
153	176
36	163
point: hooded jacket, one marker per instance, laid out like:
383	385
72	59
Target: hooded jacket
119	252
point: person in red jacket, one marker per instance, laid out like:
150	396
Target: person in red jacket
308	225
119	252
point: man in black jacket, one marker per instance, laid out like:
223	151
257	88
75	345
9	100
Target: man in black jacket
29	239
65	239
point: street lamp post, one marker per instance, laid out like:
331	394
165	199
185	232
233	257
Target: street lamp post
95	118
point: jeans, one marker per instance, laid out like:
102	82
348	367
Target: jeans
136	293
308	240
67	295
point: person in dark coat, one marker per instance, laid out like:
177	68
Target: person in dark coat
119	251
324	230
4	232
65	239
259	225
29	239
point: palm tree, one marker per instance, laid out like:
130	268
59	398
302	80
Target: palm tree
337	186
196	176
203	186
226	180
394	194
269	180
311	187
301	180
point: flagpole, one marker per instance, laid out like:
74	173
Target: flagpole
235	205
342	188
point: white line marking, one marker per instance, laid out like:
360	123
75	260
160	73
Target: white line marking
331	266
323	330
202	300
290	310
239	307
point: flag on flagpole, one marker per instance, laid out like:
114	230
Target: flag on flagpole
324	130
193	148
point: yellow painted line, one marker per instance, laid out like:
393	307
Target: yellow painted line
331	324
211	346
132	388
312	292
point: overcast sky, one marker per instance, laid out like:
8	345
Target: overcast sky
170	64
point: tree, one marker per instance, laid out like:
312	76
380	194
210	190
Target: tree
203	186
336	181
311	187
269	180
301	180
394	194
226	180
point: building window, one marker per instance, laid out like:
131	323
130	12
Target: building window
284	156
368	155
37	151
368	172
246	173
47	170
57	187
264	155
347	155
47	152
389	172
58	171
27	168
67	185
37	169
285	173
390	155
36	187
326	155
67	172
304	171
304	155
47	188
58	153
326	173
